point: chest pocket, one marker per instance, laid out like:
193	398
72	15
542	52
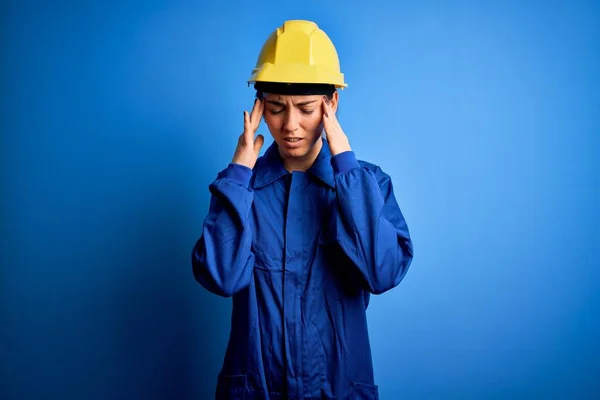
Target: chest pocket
267	224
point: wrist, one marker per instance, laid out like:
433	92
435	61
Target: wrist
335	150
344	162
238	173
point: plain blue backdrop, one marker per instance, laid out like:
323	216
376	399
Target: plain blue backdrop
115	117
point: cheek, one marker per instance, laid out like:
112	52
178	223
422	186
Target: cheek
313	125
273	123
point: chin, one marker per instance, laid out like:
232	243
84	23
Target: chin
298	152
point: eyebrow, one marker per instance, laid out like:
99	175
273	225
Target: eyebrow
304	103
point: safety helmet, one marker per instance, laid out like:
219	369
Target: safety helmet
298	52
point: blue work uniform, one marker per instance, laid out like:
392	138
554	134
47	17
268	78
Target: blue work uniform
300	253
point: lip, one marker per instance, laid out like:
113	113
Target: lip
295	144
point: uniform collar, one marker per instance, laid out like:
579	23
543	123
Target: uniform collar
270	167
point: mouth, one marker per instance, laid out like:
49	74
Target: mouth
293	142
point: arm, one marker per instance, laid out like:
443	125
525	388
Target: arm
370	227
222	260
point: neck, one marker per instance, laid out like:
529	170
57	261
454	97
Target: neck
305	162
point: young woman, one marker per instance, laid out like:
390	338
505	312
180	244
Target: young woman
301	236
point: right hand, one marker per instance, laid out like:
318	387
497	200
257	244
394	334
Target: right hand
248	148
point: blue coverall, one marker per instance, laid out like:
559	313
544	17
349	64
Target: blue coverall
300	253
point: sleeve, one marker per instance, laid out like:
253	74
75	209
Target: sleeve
370	227
222	259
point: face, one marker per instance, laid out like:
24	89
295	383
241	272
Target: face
296	124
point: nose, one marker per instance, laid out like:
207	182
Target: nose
291	121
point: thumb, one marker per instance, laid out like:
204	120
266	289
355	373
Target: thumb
258	143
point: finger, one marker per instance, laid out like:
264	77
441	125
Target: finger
258	143
327	108
326	114
248	133
255	109
329	116
259	113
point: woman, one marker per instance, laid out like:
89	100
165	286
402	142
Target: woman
301	236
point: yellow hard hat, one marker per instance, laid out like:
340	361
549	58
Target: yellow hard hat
298	52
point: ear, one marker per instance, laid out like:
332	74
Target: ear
334	101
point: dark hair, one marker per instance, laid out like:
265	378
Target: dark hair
298	89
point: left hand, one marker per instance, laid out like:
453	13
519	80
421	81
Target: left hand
337	139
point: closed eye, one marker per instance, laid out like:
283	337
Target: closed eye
302	110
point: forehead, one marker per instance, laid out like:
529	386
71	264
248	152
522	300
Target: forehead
290	99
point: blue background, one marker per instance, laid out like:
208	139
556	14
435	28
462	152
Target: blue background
116	117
